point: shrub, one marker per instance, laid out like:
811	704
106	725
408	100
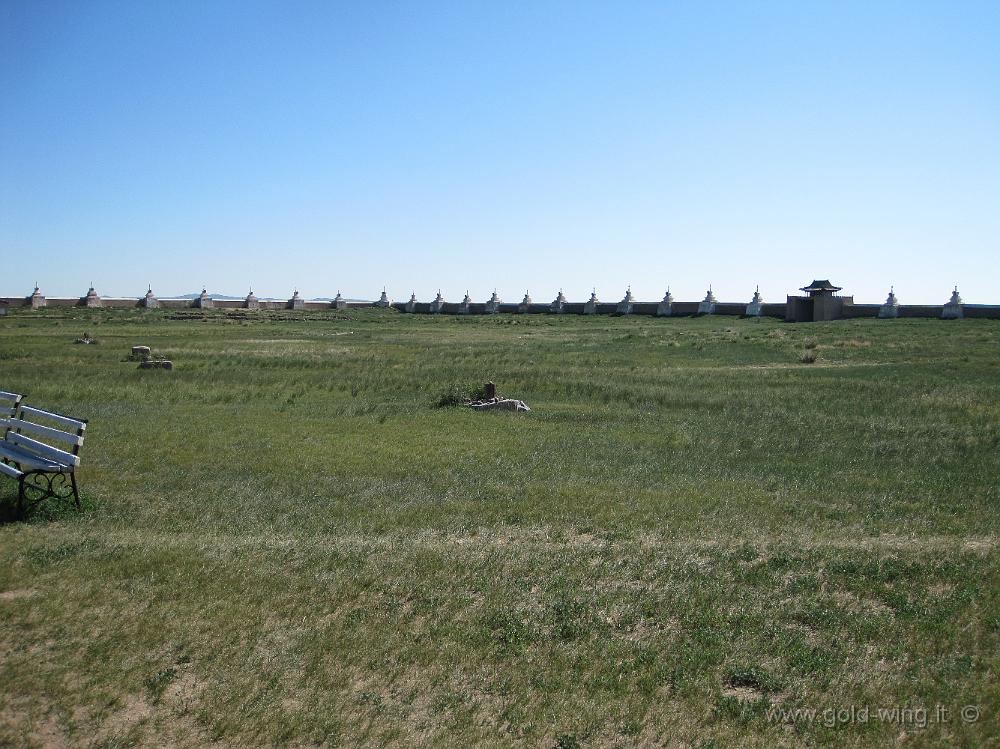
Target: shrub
458	394
158	683
567	741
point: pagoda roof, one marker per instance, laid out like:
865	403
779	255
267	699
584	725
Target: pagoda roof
823	285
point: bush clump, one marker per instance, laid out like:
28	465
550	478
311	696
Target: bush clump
459	394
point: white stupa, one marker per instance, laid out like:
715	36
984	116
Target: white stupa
756	306
37	298
464	308
438	304
383	301
493	305
558	304
891	306
625	305
411	305
955	308
707	305
525	305
150	301
590	308
92	299
666	306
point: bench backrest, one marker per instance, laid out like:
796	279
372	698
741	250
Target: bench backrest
8	407
9	403
46	434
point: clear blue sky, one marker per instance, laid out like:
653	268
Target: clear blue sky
519	145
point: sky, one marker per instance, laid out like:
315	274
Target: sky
325	146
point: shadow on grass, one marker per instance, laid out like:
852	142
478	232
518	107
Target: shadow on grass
47	511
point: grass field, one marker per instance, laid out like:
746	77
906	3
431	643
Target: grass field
286	542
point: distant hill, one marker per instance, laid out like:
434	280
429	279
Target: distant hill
197	294
227	297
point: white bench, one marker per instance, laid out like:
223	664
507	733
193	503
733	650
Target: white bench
40	450
9	403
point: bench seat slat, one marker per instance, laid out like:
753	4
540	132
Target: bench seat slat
26	444
31	461
58	418
7	470
12	397
42	431
6	413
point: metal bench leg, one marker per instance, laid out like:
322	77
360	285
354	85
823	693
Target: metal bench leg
34	487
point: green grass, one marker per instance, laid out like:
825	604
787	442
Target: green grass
287	541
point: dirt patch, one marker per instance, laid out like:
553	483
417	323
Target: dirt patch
48	734
183	692
34	726
855	604
941	590
743	694
134	712
14	595
981	545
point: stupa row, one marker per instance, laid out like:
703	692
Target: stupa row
821	302
805	308
202	301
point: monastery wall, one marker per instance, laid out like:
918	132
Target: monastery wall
840	307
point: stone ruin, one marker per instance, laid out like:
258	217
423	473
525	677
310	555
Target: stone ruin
144	356
156	364
492	401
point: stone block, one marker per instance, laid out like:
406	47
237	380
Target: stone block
156	364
